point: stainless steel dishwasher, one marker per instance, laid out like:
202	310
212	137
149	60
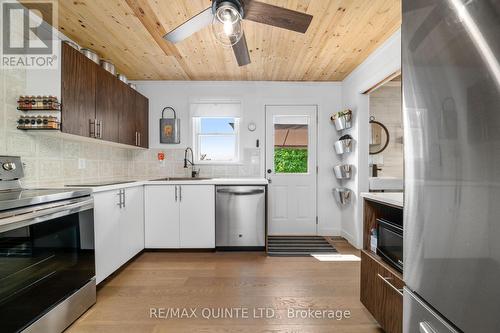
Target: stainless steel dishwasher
240	217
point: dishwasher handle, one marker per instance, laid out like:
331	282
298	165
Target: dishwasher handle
239	192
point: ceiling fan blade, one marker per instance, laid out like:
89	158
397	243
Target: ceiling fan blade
241	51
277	16
194	24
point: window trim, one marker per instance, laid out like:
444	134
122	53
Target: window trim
196	137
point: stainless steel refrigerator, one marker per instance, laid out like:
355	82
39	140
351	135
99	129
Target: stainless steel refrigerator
451	102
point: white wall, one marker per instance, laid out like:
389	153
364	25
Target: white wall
386	107
379	65
254	96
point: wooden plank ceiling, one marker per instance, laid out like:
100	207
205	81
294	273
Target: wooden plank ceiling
128	32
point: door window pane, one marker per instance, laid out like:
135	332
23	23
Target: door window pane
291	143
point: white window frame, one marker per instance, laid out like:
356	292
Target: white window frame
196	122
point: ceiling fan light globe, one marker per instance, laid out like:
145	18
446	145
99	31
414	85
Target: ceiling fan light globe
228	28
228	12
227	33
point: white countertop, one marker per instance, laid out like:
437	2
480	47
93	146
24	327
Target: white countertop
390	198
212	181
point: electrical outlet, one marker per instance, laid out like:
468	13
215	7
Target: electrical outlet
82	163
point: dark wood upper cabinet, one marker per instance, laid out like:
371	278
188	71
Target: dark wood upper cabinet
142	120
127	128
109	104
78	92
96	104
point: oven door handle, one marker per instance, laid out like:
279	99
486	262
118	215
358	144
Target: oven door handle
37	216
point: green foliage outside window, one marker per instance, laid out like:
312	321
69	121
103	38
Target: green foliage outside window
290	160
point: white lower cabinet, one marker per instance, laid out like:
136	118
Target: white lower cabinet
180	216
161	217
119	228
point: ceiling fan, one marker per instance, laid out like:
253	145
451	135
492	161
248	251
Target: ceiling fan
225	16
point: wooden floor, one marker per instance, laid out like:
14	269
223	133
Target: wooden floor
229	280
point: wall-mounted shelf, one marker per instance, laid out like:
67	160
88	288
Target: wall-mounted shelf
38	128
38	122
343	171
342	195
342	120
343	146
38	103
38	109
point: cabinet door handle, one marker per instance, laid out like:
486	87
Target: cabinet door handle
180	193
136	138
124	198
120	203
139	135
175	193
91	128
100	129
386	280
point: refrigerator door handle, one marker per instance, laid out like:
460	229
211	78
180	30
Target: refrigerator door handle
425	327
386	280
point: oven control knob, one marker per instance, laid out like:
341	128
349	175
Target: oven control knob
9	166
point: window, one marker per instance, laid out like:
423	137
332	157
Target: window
291	144
216	139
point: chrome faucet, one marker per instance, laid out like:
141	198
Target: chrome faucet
194	173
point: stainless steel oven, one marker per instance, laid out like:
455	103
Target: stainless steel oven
47	258
390	243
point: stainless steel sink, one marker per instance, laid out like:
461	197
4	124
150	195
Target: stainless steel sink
181	178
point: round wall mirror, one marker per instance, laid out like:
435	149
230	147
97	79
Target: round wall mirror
379	137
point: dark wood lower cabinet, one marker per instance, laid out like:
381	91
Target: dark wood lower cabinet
380	292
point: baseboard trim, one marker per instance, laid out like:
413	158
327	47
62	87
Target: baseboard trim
350	239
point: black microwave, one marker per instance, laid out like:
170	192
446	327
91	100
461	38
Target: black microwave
390	243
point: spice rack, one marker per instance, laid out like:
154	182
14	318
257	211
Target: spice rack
38	123
38	103
47	115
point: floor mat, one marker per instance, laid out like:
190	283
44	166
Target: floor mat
298	246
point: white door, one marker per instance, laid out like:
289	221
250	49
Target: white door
107	228
132	223
291	139
197	216
161	222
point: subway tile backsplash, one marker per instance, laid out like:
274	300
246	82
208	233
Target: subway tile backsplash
52	160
